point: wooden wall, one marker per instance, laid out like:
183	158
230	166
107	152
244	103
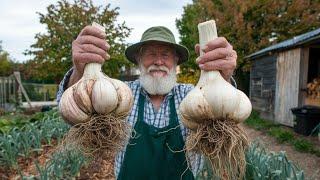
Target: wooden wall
288	84
263	85
8	95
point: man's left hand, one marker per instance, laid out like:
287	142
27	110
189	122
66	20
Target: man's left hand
218	55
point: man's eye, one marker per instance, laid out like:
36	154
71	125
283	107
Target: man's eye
152	54
165	55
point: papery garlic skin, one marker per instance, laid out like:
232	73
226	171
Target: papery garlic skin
188	123
125	100
104	96
197	107
82	95
244	108
69	109
221	96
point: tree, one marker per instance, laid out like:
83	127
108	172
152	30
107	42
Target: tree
248	25
64	21
6	64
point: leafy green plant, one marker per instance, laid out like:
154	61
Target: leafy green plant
256	122
281	135
43	172
9	149
27	139
62	165
67	164
302	145
262	165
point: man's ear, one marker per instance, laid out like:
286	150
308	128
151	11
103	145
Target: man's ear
197	49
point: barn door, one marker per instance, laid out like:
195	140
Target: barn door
287	85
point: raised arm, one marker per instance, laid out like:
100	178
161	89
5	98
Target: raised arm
90	46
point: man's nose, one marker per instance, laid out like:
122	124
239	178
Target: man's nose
159	60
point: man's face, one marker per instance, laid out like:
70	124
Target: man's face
158	55
157	65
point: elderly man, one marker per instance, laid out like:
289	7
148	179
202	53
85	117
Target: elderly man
156	150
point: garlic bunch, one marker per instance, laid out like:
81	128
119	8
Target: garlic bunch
95	93
213	97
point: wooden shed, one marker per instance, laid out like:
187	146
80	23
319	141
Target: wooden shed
280	74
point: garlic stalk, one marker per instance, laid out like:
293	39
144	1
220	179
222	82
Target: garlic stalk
212	111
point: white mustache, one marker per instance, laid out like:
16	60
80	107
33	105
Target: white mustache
157	68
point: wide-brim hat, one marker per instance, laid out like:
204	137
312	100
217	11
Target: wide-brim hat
157	34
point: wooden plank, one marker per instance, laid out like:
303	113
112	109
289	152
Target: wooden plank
303	80
40	104
262	85
287	85
18	78
5	91
1	93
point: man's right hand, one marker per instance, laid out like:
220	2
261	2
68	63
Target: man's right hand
90	46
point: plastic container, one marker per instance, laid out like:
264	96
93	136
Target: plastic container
307	118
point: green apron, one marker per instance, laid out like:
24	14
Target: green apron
148	156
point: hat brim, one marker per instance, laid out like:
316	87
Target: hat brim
131	51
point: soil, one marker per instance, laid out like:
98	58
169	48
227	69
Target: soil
309	163
101	168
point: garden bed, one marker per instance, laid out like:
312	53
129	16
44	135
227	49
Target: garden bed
29	151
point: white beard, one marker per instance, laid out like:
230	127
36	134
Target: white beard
157	85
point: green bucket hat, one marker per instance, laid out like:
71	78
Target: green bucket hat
157	34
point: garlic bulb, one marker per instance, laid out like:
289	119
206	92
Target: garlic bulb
212	111
213	97
95	93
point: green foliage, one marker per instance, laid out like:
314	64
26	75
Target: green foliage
281	135
262	165
6	64
9	149
41	92
18	120
248	25
188	78
64	21
302	145
62	165
27	139
256	122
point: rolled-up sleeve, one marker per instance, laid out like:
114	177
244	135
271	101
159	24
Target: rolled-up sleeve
64	84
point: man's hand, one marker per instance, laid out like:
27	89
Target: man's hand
218	55
90	46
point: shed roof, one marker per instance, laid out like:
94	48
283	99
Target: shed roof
295	41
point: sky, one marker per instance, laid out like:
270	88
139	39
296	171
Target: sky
19	20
